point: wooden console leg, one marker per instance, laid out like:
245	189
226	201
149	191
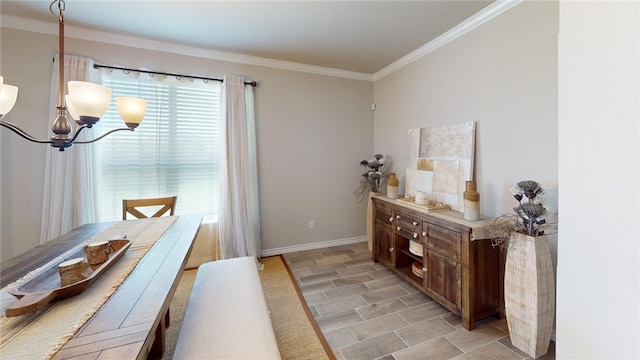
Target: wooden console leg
468	323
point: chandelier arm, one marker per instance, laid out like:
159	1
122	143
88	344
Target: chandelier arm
76	133
23	133
103	135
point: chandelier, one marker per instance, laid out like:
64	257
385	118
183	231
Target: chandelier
86	103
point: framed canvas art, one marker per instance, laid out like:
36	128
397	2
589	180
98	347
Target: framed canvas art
440	162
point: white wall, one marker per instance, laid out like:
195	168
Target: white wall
312	132
503	75
598	299
22	163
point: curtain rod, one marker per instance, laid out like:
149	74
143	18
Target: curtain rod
178	76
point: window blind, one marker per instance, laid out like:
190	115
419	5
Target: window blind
174	151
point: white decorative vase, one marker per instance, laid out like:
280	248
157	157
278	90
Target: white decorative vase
529	293
370	220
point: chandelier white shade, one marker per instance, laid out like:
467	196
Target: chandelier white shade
131	110
72	111
88	99
86	103
8	97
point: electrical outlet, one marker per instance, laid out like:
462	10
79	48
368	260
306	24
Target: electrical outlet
312	225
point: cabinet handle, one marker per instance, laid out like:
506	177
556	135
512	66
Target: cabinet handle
390	249
424	233
424	270
391	219
397	216
415	223
415	235
399	228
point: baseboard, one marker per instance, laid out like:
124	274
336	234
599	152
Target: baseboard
312	246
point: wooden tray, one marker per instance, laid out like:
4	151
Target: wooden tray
46	287
430	206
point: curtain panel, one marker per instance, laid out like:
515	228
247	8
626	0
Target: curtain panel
239	219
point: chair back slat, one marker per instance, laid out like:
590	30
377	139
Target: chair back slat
131	206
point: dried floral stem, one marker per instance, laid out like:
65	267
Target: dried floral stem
374	179
530	218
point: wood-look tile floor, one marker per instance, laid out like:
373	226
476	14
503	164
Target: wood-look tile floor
366	311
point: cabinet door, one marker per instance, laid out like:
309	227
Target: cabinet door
443	277
384	244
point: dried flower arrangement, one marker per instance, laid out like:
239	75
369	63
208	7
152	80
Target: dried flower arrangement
374	178
530	218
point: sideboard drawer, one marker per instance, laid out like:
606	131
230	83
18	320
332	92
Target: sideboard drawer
444	241
384	214
408	226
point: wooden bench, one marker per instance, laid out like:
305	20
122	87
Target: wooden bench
227	315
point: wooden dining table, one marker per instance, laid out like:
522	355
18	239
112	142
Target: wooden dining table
132	323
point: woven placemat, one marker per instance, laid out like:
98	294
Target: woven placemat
41	334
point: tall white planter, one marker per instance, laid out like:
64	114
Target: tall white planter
529	293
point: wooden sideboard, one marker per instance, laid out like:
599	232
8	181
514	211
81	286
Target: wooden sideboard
460	269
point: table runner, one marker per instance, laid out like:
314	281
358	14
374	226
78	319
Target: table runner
41	334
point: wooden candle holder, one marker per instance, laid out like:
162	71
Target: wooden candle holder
97	252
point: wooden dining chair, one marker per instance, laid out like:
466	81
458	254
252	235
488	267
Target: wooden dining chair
131	206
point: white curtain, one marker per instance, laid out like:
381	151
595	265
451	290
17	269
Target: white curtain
68	189
239	216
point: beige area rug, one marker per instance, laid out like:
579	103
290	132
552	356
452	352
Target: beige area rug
176	311
297	333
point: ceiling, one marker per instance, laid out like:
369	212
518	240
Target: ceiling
358	36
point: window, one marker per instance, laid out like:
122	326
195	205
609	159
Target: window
173	152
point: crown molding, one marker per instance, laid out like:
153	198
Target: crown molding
486	14
18	23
